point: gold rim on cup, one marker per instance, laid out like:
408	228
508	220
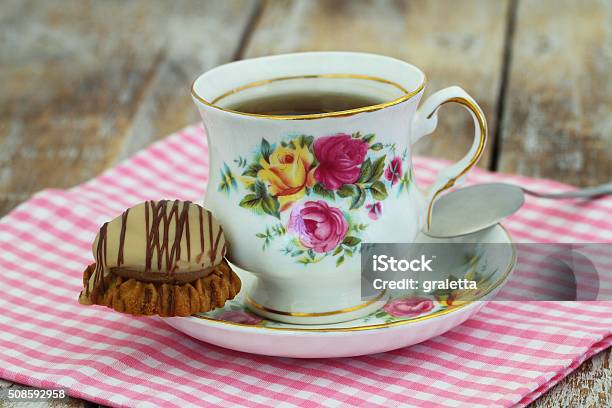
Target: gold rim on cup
407	95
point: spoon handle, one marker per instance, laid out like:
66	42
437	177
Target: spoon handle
587	193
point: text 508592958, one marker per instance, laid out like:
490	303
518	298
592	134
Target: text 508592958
28	394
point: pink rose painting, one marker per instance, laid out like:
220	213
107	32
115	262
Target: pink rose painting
409	307
238	316
318	226
393	172
340	157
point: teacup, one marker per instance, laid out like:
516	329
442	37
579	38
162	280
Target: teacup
298	194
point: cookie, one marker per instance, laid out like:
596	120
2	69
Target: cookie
160	258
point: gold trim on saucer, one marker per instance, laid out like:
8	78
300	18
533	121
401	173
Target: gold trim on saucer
407	95
256	305
384	325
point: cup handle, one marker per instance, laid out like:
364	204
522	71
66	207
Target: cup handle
425	122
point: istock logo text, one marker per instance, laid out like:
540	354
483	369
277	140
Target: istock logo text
383	263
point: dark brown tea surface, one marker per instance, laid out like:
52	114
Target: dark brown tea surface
304	103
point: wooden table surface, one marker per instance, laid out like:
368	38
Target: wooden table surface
87	83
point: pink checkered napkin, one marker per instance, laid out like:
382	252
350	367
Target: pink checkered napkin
509	354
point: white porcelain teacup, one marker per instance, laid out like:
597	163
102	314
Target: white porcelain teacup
296	195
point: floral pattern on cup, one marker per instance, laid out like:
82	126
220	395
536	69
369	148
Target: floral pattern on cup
321	192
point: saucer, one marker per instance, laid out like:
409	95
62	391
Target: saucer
403	321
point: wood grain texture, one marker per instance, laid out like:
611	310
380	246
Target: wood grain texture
557	121
590	386
453	42
85	83
557	125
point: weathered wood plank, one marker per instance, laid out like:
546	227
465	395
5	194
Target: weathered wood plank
87	83
590	386
556	124
557	119
454	42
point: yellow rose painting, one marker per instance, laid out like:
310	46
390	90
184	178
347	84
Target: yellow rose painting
287	173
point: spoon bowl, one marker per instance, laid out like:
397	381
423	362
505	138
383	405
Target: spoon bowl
474	208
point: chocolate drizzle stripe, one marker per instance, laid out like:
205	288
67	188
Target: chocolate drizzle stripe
147	257
174	250
164	247
100	260
216	246
124	218
202	241
185	215
211	254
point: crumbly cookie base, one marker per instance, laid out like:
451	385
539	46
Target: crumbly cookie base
154	298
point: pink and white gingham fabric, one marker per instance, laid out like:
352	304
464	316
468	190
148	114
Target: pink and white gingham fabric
509	354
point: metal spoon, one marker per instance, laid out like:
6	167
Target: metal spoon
481	206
